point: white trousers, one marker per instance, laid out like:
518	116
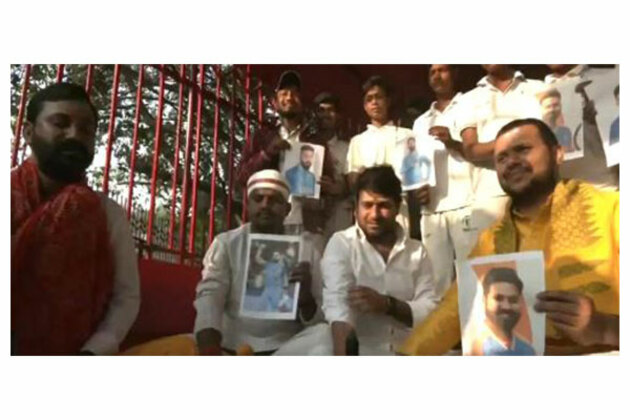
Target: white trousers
315	340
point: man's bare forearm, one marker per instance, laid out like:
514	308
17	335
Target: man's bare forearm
340	331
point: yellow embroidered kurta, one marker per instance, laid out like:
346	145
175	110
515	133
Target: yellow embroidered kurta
578	232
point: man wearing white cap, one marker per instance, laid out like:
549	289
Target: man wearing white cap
218	327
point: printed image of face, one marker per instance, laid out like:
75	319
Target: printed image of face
376	104
327	116
288	102
502	306
552	109
411	145
376	214
525	165
62	139
306	158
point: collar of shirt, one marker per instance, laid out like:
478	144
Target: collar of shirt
372	127
286	134
517	78
433	111
399	245
577	71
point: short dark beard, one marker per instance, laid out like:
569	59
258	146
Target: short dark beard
536	191
52	162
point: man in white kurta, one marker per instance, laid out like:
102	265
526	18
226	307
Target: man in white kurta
445	224
218	326
377	281
502	96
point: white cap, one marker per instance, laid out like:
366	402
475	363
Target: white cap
268	178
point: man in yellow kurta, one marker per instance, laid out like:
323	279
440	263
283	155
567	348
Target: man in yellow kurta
573	223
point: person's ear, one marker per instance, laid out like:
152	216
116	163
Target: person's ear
559	155
27	132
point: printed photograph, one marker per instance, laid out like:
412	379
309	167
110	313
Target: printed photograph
604	92
267	293
562	111
496	299
302	167
416	168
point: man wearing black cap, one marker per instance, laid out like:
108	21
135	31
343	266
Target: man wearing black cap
266	149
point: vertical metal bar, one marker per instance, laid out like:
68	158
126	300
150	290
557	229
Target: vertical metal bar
228	206
178	135
260	105
248	77
20	117
60	69
183	217
89	79
112	125
193	221
156	156
134	146
215	153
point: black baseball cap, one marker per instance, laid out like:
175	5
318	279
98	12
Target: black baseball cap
289	78
327	98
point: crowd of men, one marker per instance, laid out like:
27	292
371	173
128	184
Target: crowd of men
376	272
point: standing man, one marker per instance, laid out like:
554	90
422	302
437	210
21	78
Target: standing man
266	151
614	127
218	326
335	192
377	282
379	144
503	95
74	275
575	225
447	232
592	167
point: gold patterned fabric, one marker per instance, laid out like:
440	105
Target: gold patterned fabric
578	232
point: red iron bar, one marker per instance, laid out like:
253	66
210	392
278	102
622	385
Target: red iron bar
134	146
215	154
248	77
193	222
228	206
20	117
60	69
156	156
184	207
112	125
178	135
89	78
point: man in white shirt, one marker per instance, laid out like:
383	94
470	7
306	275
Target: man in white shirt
381	143
74	276
445	222
377	282
503	95
592	166
334	188
218	326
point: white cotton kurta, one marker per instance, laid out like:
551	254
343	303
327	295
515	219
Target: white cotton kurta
125	301
220	289
350	260
488	109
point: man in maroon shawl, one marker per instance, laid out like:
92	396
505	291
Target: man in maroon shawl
74	277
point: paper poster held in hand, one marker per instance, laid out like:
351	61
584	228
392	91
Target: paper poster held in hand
416	167
496	298
267	292
302	167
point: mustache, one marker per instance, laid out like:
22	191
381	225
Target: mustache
516	167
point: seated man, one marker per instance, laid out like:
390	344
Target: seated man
218	326
74	274
377	281
576	226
